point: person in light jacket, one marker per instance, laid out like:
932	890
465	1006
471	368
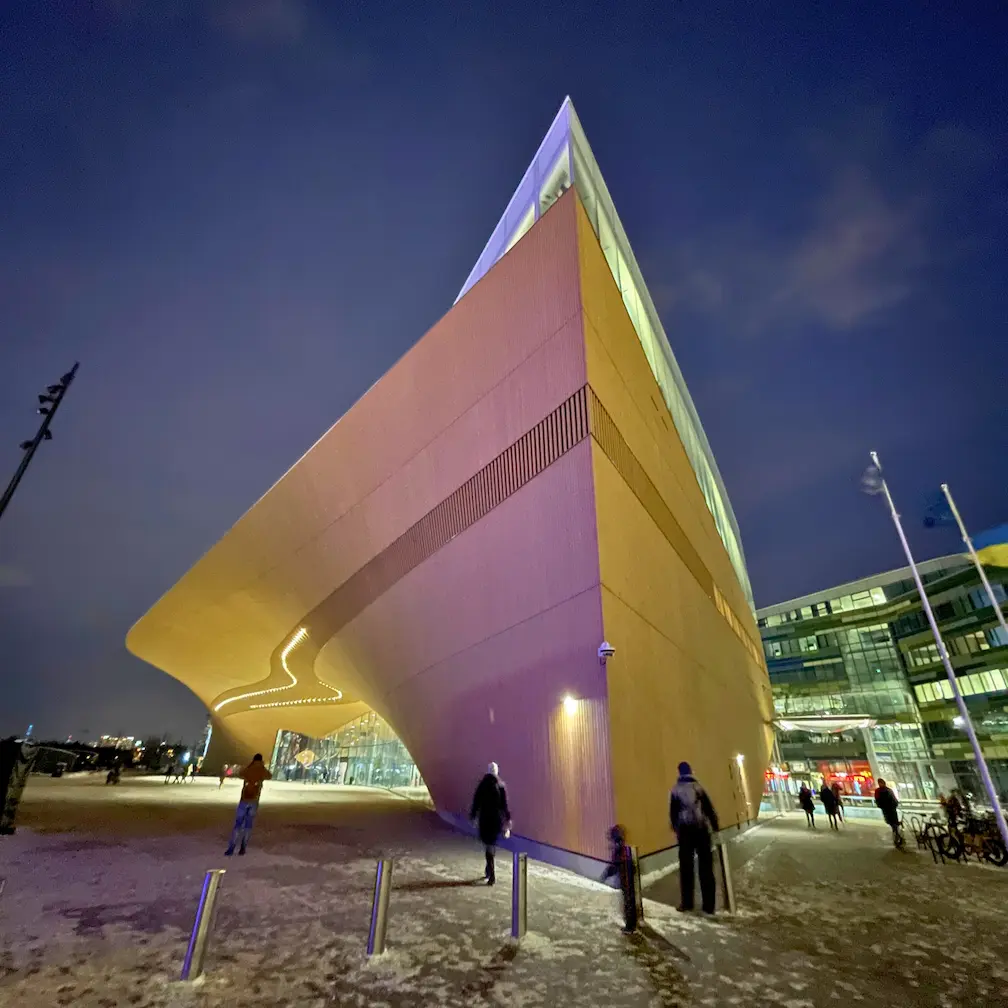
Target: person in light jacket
694	820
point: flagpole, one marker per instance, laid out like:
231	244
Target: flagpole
976	560
943	652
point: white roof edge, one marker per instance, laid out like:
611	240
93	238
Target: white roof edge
872	581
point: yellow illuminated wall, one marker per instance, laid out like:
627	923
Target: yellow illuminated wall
688	680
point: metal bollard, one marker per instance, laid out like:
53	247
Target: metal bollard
519	895
638	889
726	880
379	908
199	940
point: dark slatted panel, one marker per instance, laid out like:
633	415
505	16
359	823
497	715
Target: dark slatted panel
508	472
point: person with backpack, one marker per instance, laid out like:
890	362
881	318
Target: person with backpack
693	820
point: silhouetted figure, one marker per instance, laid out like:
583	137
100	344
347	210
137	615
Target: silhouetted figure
621	865
806	802
253	775
953	810
838	794
694	820
828	798
886	800
490	813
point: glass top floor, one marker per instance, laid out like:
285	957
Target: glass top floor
564	158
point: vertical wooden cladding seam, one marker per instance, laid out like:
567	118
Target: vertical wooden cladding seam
578	758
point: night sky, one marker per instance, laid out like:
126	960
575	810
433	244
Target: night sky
238	215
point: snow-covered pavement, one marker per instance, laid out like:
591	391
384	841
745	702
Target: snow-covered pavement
102	886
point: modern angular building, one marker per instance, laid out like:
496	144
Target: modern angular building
860	690
529	481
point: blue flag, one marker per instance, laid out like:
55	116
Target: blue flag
937	511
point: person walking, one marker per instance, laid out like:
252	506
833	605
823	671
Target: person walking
828	799
838	794
491	814
621	865
223	776
887	801
806	802
253	776
693	820
169	770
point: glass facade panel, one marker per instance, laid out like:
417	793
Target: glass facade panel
523	226
365	752
557	181
869	677
565	148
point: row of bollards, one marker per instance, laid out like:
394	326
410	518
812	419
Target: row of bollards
199	940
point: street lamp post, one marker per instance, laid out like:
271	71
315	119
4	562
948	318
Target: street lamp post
49	402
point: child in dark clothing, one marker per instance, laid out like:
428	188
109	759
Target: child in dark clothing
621	864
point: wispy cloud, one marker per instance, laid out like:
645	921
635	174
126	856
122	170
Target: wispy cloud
858	244
859	257
267	21
270	22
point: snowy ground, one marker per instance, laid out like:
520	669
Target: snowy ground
102	884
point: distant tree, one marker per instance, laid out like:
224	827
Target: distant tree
152	753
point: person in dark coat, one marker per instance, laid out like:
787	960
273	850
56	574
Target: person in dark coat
694	820
621	865
887	801
491	814
828	799
806	802
838	794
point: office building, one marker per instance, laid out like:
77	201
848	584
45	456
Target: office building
860	690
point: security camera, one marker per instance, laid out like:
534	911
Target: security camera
605	651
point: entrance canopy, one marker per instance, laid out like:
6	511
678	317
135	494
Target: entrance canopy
826	724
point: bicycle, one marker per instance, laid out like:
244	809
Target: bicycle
977	836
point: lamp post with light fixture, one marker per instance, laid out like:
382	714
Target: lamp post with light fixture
49	402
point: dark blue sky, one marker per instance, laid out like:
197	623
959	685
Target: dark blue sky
237	215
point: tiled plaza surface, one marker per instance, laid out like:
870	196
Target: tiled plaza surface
101	886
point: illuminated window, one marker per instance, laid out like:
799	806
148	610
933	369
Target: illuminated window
557	182
523	225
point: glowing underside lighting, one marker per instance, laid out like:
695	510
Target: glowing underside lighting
299	637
